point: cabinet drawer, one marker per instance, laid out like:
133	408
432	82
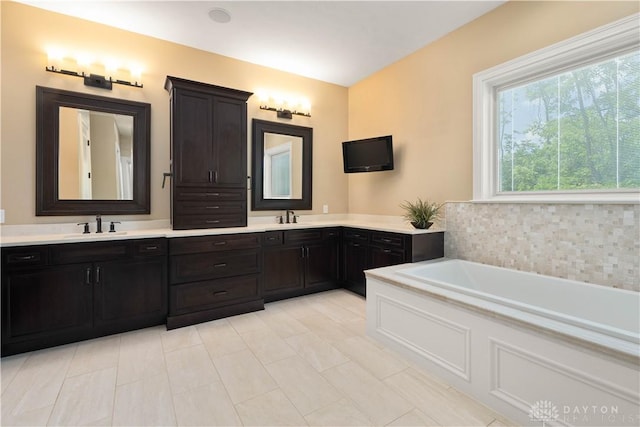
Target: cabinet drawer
356	234
223	242
211	207
89	252
24	256
209	194
192	267
208	294
388	239
273	238
301	236
331	233
186	222
150	247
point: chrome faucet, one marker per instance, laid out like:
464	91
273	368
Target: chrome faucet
292	217
98	224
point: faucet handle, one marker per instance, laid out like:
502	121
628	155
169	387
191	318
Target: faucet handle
295	219
112	226
86	227
279	218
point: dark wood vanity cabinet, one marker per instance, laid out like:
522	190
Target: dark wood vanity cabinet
367	249
55	294
298	262
208	155
213	277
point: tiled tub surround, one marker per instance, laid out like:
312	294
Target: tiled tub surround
594	243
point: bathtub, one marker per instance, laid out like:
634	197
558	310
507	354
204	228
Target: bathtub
515	340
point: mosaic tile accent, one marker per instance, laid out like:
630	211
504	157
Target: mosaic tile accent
594	243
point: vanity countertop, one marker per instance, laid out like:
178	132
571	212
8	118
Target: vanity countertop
369	222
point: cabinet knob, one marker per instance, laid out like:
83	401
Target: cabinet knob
221	265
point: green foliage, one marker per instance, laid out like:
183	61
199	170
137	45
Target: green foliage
578	130
421	212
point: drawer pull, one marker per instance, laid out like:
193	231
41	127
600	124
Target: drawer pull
212	194
87	276
151	248
222	243
386	251
23	257
272	238
214	221
219	293
386	240
221	265
212	207
355	245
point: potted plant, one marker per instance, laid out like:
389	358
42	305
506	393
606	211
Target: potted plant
421	214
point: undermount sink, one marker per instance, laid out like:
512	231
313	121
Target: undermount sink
92	235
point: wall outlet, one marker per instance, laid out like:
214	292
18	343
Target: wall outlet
1	216
325	208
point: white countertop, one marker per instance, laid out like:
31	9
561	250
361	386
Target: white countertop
41	234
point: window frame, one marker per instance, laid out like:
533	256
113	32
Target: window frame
609	40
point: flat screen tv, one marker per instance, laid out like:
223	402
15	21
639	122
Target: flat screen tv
368	155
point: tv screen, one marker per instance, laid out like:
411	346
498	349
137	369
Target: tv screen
368	155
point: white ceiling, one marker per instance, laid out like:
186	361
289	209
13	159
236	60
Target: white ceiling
340	42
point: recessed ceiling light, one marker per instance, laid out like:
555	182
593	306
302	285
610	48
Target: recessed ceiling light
219	15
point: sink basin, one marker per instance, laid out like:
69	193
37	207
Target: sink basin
93	235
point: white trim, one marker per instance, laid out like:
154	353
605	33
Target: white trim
608	40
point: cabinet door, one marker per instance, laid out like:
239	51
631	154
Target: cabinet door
355	262
383	256
127	291
192	138
283	269
47	302
321	263
229	142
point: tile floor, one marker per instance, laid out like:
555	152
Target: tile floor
303	361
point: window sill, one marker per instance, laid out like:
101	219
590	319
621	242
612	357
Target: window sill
631	198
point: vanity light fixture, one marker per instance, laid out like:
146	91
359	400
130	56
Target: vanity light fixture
58	64
285	108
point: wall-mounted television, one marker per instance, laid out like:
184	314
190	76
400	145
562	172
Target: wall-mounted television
368	155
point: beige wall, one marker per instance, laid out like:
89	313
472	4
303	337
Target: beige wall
26	32
425	99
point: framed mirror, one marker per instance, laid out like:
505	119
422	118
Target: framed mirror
92	154
281	166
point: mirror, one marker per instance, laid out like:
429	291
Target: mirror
281	166
92	154
95	158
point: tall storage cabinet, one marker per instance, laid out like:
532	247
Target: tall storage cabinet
208	155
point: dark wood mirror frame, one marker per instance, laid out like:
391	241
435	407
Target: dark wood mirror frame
258	202
48	103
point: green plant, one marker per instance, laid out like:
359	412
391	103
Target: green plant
421	213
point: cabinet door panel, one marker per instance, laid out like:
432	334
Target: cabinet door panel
48	301
383	257
192	147
229	142
322	263
283	269
130	290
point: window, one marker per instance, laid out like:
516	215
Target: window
562	123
